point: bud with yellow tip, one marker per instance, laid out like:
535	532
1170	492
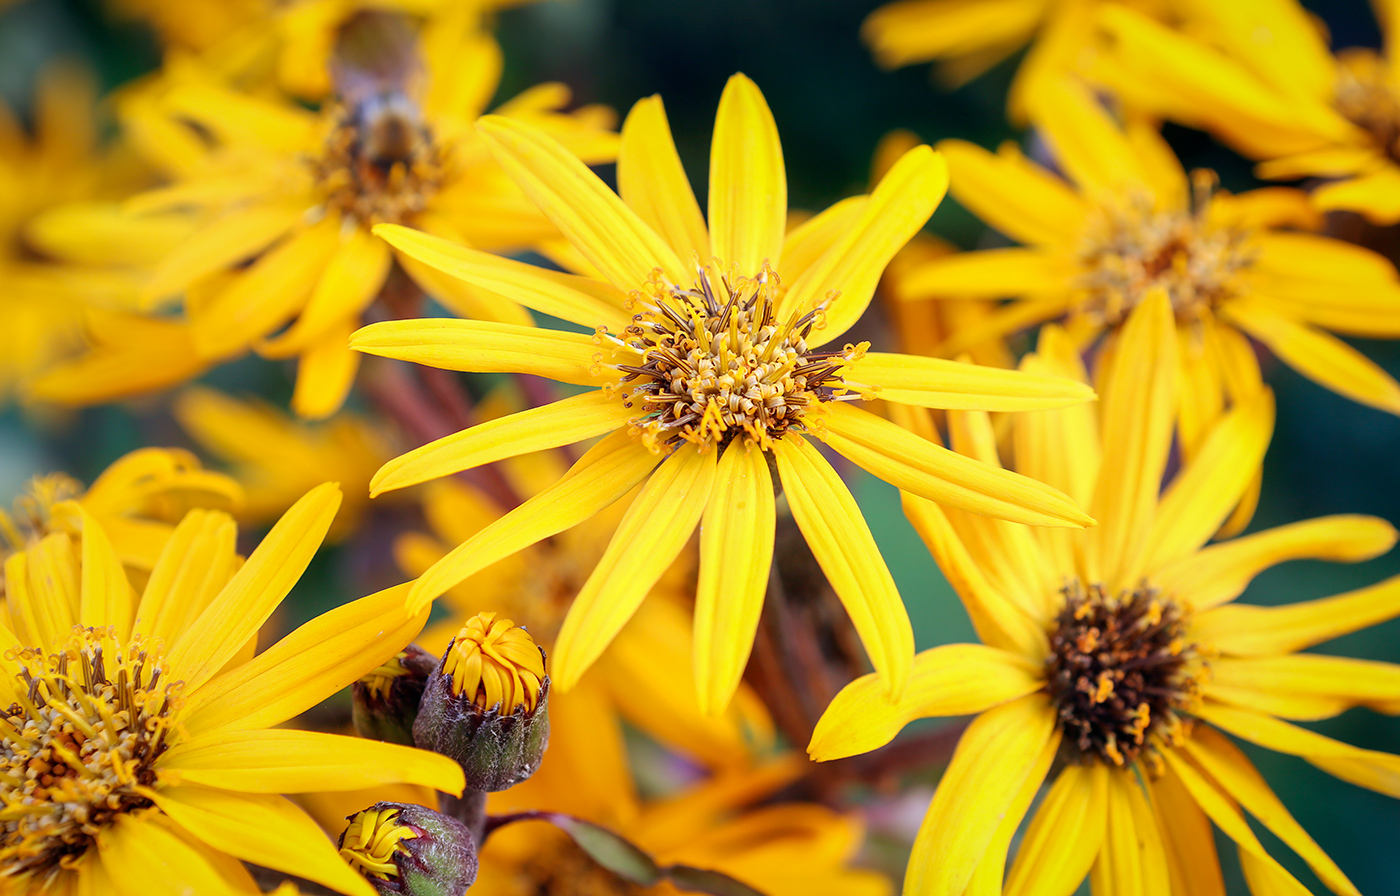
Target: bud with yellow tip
386	700
410	850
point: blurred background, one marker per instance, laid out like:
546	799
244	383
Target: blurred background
832	105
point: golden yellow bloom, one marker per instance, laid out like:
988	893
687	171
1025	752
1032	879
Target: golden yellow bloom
276	457
707	375
297	193
1260	76
497	662
1128	223
1115	655
139	751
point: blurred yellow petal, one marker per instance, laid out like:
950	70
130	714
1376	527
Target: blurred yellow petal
955	385
1023	201
1187	838
987	880
652	181
1088	144
1340	681
1133	861
221	244
1250	630
325	373
351	279
1065	835
987	273
1375	194
748	184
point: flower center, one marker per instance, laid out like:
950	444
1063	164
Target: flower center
1132	249
79	746
380	163
718	364
1119	673
371	840
1365	97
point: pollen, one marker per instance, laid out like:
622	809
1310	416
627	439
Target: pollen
380	163
78	748
1364	97
1118	674
372	839
718	363
497	663
1131	248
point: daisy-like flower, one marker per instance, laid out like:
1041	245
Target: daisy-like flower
293	194
1128	221
1112	659
710	375
138	752
1261	77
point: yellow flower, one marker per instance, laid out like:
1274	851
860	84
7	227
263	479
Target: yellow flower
297	192
1129	222
968	37
706	375
1260	77
140	753
1118	652
277	458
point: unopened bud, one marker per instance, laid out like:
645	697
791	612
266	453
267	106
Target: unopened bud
487	704
386	700
410	850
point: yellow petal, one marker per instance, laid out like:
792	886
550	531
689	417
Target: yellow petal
987	879
1065	835
919	30
988	273
42	592
1220	572
1280	41
1249	630
325	373
652	533
1133	861
748	184
106	594
1187	838
1322	358
951	680
1022	200
351	279
931	471
835	530
285	761
562	422
848	272
1339	681
609	470
1088	144
486	347
956	385
220	245
1224	762
256	589
1375	194
265	829
307	666
808	241
195	565
1265	879
140	858
736	553
577	299
591	216
652	181
995	756
1137	410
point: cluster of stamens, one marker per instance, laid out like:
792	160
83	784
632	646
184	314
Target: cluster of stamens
380	163
1133	248
1120	674
1364	96
717	363
78	747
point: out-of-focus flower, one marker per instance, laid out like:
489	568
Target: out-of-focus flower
276	457
295	193
707	374
141	744
1119	651
1260	76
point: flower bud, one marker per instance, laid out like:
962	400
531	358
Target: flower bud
410	850
386	700
487	704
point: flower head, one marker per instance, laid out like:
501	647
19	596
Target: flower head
410	850
1113	658
709	374
495	664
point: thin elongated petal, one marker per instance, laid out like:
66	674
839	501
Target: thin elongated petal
106	594
931	471
748	184
604	474
266	829
807	242
42	592
307	666
351	279
284	761
736	553
652	532
1187	837
1133	861
652	181
325	373
140	858
988	878
220	245
1087	143
1375	194
1319	356
1065	835
994	758
598	223
1224	762
562	422
1220	572
1250	630
951	680
1264	879
957	385
1022	200
572	298
256	589
1331	684
837	533
898	207
989	273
